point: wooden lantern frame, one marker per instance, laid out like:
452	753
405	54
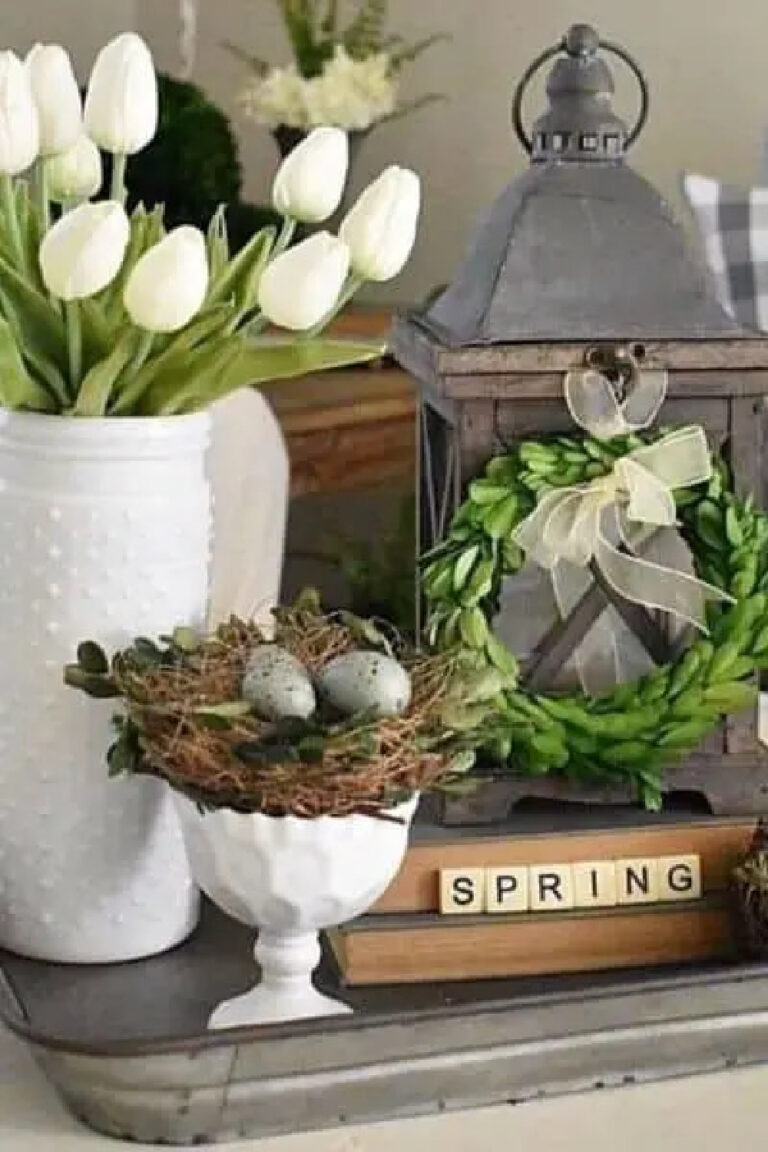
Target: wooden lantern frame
475	401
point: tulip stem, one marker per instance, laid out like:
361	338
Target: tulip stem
74	345
284	237
118	190
8	195
40	184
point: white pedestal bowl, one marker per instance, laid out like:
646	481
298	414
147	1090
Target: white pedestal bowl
290	878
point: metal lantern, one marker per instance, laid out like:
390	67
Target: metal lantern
579	262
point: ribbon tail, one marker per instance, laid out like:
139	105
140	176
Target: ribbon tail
656	587
597	660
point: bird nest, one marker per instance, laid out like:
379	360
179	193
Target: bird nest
184	721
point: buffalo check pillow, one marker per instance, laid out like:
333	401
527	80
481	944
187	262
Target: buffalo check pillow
733	224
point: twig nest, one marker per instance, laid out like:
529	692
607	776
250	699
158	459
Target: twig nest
367	682
749	885
277	685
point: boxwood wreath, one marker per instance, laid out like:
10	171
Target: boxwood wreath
630	734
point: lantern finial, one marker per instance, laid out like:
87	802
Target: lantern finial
580	123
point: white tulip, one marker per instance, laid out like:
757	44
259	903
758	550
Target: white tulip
83	251
121	105
380	229
301	286
75	174
169	283
57	96
310	181
19	126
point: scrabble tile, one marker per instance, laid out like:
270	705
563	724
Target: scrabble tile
637	881
679	877
506	890
594	884
462	891
551	887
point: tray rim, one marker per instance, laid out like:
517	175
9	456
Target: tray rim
646	982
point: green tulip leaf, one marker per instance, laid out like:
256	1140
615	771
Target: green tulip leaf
37	318
31	231
217	242
98	385
17	388
147	229
99	335
180	381
260	363
174	362
239	279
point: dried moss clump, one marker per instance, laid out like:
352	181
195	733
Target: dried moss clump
184	720
750	890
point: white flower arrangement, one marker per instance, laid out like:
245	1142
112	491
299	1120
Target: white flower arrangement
102	314
342	75
349	94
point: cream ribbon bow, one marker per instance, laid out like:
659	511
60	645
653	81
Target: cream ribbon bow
602	519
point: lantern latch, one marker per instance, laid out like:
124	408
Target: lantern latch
619	363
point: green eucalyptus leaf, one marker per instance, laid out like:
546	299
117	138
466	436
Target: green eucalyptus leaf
92	658
100	687
122	758
186	639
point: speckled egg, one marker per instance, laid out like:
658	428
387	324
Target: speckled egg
365	681
277	684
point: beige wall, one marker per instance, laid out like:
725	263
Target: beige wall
83	25
705	60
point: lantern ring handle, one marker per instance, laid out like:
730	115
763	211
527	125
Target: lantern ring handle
547	54
525	79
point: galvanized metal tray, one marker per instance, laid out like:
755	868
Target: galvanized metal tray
126	1046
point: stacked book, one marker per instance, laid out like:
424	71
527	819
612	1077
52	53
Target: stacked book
568	892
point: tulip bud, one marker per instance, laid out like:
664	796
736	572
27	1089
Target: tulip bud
310	181
121	105
169	283
301	286
57	96
380	229
74	174
19	127
84	250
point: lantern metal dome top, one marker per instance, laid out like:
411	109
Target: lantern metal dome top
579	246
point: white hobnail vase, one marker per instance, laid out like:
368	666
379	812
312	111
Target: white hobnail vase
104	533
290	878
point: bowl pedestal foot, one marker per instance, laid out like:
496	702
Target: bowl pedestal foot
285	991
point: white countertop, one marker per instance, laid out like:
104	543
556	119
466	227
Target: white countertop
722	1112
